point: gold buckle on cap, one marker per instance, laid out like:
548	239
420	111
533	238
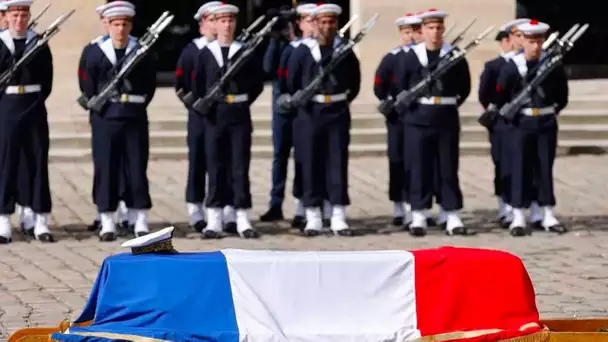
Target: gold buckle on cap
535	111
229	98
327	99
436	100
20	89
124	98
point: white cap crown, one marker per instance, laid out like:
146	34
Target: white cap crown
206	9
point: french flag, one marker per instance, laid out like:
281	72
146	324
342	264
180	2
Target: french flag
262	296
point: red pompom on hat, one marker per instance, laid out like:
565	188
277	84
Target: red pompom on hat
533	22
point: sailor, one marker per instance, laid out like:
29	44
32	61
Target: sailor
324	124
282	123
535	216
23	118
535	212
432	127
124	216
384	85
228	125
533	139
487	98
120	131
195	186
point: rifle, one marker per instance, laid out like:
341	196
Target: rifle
406	97
202	105
287	102
546	66
97	102
246	33
41	40
34	21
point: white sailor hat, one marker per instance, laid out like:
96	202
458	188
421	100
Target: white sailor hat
118	11
432	13
2	6
119	3
408	19
224	9
205	9
18	3
511	26
157	242
327	9
534	27
305	9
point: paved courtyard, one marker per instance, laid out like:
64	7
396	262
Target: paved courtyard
43	284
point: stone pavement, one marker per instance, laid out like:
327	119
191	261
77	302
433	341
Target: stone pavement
43	284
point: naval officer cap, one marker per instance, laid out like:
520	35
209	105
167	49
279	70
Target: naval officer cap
118	12
17	3
157	242
205	9
111	4
533	28
432	15
323	10
408	19
223	10
305	9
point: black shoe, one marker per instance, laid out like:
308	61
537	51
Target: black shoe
249	234
311	232
518	231
5	240
345	232
464	231
326	223
199	226
503	223
275	213
29	232
397	221
45	238
537	225
431	222
417	231
558	228
95	226
107	237
124	225
298	222
406	226
443	225
230	228
140	234
210	234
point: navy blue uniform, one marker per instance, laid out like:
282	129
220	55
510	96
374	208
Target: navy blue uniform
120	137
323	123
24	129
533	138
432	128
282	123
197	171
124	194
228	125
385	86
487	98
